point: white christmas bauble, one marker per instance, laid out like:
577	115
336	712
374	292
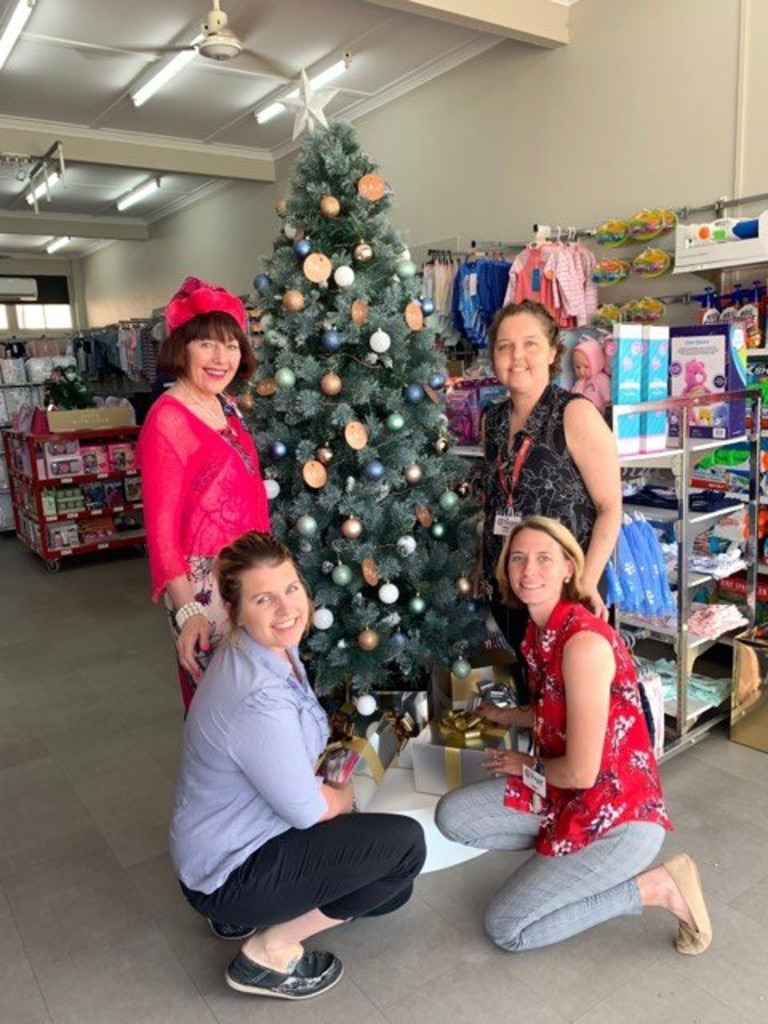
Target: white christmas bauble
405	254
406	545
366	704
289	231
379	341
272	487
323	618
388	593
344	276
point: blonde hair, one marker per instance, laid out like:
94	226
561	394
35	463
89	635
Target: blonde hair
561	535
252	550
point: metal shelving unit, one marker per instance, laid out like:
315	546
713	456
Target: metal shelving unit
679	459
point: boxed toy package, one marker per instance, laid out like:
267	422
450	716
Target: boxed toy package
709	359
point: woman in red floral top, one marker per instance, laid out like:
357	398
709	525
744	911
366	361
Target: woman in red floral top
588	799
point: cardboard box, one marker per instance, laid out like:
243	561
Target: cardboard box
61	420
749	692
456	694
707	359
625	348
654	387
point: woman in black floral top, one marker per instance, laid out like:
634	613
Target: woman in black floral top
548	452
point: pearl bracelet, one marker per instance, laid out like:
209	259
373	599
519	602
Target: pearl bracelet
188	611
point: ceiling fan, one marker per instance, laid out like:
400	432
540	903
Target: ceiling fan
216	42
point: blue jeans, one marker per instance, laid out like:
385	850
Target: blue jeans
548	899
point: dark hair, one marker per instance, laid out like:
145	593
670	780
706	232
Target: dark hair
173	357
252	550
548	323
561	535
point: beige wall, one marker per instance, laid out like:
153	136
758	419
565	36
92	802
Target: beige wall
652	103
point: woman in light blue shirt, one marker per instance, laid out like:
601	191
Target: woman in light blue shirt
263	847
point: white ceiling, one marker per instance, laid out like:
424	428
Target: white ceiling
70	76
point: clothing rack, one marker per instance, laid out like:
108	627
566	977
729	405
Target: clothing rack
547	233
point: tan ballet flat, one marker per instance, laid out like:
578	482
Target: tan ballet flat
685	875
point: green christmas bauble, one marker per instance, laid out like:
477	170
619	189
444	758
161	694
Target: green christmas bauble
449	500
461	668
285	378
417	605
306	526
342	575
406	269
437	530
395	422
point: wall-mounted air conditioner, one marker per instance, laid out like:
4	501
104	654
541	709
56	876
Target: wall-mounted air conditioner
18	289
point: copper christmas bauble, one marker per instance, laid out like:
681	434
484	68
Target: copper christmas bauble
330	384
464	586
363	252
330	206
413	473
281	207
246	401
352	527
368	640
324	454
293	301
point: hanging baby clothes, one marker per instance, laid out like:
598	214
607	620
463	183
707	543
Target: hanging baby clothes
558	275
478	294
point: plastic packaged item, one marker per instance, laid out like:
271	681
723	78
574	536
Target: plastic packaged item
650	223
724	229
652	262
612	233
610	271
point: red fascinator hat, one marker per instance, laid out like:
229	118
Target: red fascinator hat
196	298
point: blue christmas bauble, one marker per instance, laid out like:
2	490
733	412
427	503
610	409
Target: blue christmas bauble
342	575
398	639
262	282
414	394
395	422
306	526
302	247
437	381
374	469
330	340
427	306
449	500
278	450
471	606
285	378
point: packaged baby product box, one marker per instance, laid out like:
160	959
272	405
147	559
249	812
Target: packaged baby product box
655	387
626	348
708	359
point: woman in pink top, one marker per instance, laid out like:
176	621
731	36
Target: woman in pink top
201	479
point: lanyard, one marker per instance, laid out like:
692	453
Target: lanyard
517	466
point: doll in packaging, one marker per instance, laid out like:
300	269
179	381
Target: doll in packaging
589	369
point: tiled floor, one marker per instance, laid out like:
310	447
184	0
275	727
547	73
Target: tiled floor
94	931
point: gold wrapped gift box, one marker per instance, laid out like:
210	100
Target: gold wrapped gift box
452	751
491	670
749	693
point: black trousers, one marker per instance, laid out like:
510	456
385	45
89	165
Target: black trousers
355	865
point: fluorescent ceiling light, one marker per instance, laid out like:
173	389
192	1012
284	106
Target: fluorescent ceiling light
43	189
137	194
165	74
58	243
14	28
323	78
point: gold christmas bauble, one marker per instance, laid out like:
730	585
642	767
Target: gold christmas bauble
413	473
368	640
463	489
281	207
363	252
330	206
293	301
464	586
246	401
441	445
330	384
352	527
324	454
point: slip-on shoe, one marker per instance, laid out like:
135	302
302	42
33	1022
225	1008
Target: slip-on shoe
685	874
314	973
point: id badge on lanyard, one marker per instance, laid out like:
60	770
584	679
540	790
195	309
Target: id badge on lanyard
505	521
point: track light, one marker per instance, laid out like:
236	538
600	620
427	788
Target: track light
323	78
43	189
14	28
57	243
165	73
137	194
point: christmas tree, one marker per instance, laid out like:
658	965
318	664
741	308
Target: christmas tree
348	416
